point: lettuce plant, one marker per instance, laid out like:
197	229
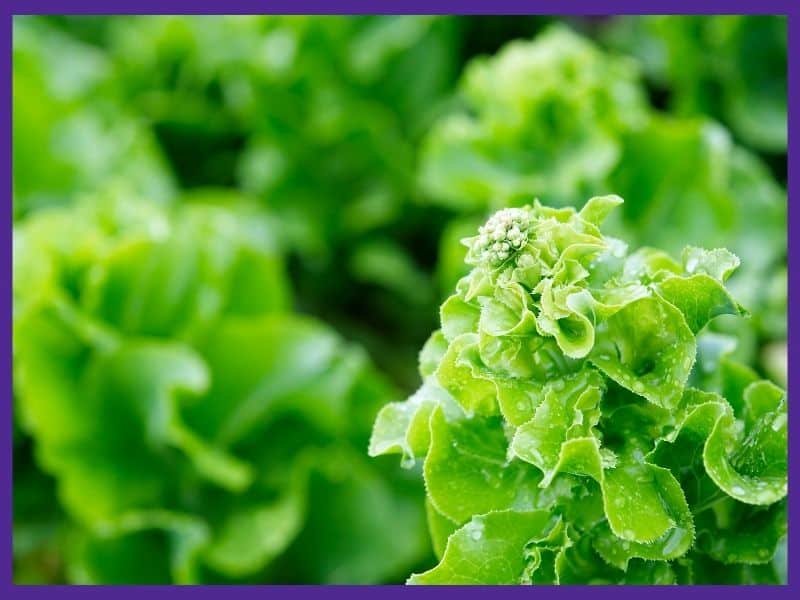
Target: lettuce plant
568	431
184	414
541	117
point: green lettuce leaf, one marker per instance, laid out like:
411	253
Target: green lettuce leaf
492	549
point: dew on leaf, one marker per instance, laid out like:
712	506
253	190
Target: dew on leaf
674	540
779	422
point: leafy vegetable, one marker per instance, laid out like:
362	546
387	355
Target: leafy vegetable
541	117
562	440
184	413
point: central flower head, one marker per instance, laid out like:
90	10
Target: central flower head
503	235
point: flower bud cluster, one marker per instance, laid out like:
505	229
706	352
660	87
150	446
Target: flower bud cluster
503	235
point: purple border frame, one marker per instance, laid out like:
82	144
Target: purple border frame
563	7
580	7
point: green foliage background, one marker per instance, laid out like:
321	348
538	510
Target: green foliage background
233	234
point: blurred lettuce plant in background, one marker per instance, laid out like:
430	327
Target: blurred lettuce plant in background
185	413
542	116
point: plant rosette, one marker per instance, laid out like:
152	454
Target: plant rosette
567	435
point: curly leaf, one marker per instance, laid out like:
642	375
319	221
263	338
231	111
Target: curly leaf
460	373
753	470
466	469
458	317
647	348
700	298
645	505
569	411
490	549
718	263
403	427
